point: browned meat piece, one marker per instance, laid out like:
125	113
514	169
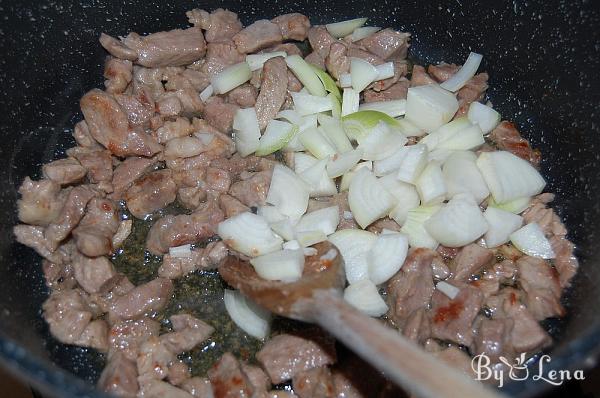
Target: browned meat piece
507	137
115	287
439	268
315	382
273	90
320	40
344	386
383	223
458	359
260	34
188	333
188	79
253	191
504	271
293	26
152	388
95	335
58	276
258	379
64	171
565	262
228	380
472	91
400	70
171	231
72	212
488	286
150	193
243	96
395	91
527	335
93	236
109	125
289	48
81	133
236	164
147	298
219	25
180	127
173	48
119	377
128	172
97	163
220	114
178	373
315	59
336	62
231	206
286	355
184	102
118	74
40	203
387	44
148	79
116	48
126	337
294	85
217	180
198	386
92	273
542	287
33	237
493	338
154	359
67	314
139	108
418	326
447	253
470	261
191	197
221	55
221	145
420	77
443	71
411	288
281	394
452	319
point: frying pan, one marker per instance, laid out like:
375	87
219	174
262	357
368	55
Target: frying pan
543	58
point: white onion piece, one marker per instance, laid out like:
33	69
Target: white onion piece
291	116
449	290
386	256
288	192
306	75
413	163
390	164
484	116
447	132
458	223
343	162
231	77
408	129
393	108
440	155
429	107
282	265
303	161
354	244
206	93
502	224
350	101
415	229
367	198
531	240
316	143
345	80
277	135
312	174
270	213
305	123
325	220
249	234
364	296
430	185
385	71
307	104
319	181
516	206
336	106
309	251
181	251
405	195
469	138
248	316
344	28
334	131
347	178
283	228
256	61
362	74
464	74
292	245
381	143
461	174
309	238
362	32
247	131
508	176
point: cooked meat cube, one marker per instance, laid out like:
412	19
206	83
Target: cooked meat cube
336	62
281	394
152	388
154	358
286	355
539	212
293	26
243	96
542	287
236	164
93	236
395	91
150	193
220	114
320	40
209	257
231	206
253	191
219	25
83	137
289	48
258	379
116	48
109	125
260	34
33	237
452	319
420	77
150	79
58	276
180	127
418	326
411	288
217	180
493	338
470	260
64	171
128	172
273	90
123	232
228	380
178	373
439	268
400	70
188	333
472	91
565	262
199	387
147	298
139	108
95	335
387	44
383	223
221	55
68	314
527	335
315	59
119	377
315	382
507	137
118	74
504	271
442	71
126	337
92	273
457	359
355	52
40	203
97	163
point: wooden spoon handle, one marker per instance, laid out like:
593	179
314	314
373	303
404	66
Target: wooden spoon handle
398	358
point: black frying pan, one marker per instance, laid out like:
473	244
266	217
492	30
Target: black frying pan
543	58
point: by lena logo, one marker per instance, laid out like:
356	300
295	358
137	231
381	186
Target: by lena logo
519	371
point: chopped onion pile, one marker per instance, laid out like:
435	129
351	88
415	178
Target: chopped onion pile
359	124
277	135
516	206
501	225
317	144
362	74
363	296
484	116
531	240
461	175
307	104
368	199
342	163
251	318
381	142
414	227
231	77
288	192
306	74
334	130
249	234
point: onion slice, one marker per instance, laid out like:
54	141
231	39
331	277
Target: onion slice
449	290
413	162
288	192
277	135
327	81
306	74
381	142
325	220
206	93
387	256
415	229
405	196
429	107
364	296
350	101
368	199
183	251
354	244
248	316
344	28
385	71
341	163
316	143
502	224
256	61
393	108
362	32
283	265
306	104
247	131
231	77
334	130
359	124
249	234
430	185
362	74
461	175
484	116
464	74
531	240
345	80
516	206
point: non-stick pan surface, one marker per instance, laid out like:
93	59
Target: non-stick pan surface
543	58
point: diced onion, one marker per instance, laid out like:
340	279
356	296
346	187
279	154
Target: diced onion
256	61
359	124
350	101
344	28
531	240
206	93
336	106
413	163
414	228
270	213
277	135
389	164
393	108
405	195
407	128
385	71
429	107
464	74
368	199
325	220
309	238
327	81
430	185
362	32
283	228
347	178
381	142
316	143
247	131
459	134
282	265
458	223
516	206
251	318
291	116
461	174
291	245
334	130
249	234
306	75
343	162
362	74
354	244
364	296
449	290
306	122
181	251
502	224
484	116
231	77
288	192
309	251
319	181
345	80
386	256
306	104
508	176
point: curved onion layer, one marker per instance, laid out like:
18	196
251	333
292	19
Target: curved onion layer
256	61
247	131
327	81
309	238
393	108
307	104
334	131
283	265
316	143
381	142
449	290
502	224
288	192
350	101
461	175
484	116
325	220
362	32
251	318
430	185
429	107
368	199
343	162
249	234
276	136
516	206
413	163
231	77
405	196
387	256
362	74
319	181
464	74
354	244
364	296
306	74
345	28
359	124
531	240
284	228
415	229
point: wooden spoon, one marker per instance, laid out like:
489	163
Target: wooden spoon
317	298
